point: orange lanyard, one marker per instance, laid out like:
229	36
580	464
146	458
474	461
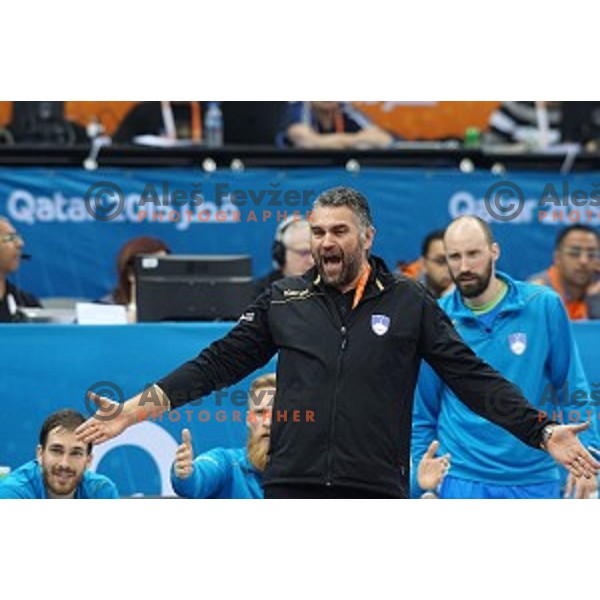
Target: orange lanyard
360	286
339	121
196	121
576	309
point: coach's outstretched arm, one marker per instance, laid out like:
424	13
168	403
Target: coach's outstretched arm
247	347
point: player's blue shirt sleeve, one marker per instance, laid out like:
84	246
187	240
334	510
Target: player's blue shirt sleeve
569	380
8	491
221	473
211	472
573	395
425	418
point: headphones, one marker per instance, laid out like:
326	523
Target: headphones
278	249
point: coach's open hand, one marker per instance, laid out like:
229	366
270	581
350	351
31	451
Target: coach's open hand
112	418
109	420
566	449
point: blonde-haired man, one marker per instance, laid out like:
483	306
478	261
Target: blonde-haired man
229	472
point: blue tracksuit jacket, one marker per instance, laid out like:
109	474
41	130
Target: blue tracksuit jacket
531	344
27	482
220	473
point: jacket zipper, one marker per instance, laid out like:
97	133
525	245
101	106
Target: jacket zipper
343	344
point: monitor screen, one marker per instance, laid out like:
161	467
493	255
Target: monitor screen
193	287
252	123
580	121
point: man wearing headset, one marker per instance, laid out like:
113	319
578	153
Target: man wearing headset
291	252
11	254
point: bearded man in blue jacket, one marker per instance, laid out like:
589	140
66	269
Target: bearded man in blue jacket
234	473
523	331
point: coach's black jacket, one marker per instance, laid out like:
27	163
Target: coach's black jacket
357	378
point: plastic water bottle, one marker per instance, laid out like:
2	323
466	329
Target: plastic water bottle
213	126
472	137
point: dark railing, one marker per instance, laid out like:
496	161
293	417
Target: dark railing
426	155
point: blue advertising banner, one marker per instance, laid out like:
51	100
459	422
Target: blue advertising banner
49	367
74	221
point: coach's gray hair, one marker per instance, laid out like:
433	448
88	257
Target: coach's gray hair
346	196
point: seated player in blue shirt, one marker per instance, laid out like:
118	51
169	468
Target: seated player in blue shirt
235	472
61	466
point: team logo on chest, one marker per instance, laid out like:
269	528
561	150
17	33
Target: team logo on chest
380	324
517	343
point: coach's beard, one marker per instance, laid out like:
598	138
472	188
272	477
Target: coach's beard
258	449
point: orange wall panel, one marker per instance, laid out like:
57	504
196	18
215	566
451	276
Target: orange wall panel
429	120
108	112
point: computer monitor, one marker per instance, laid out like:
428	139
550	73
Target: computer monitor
252	123
193	287
29	113
580	121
